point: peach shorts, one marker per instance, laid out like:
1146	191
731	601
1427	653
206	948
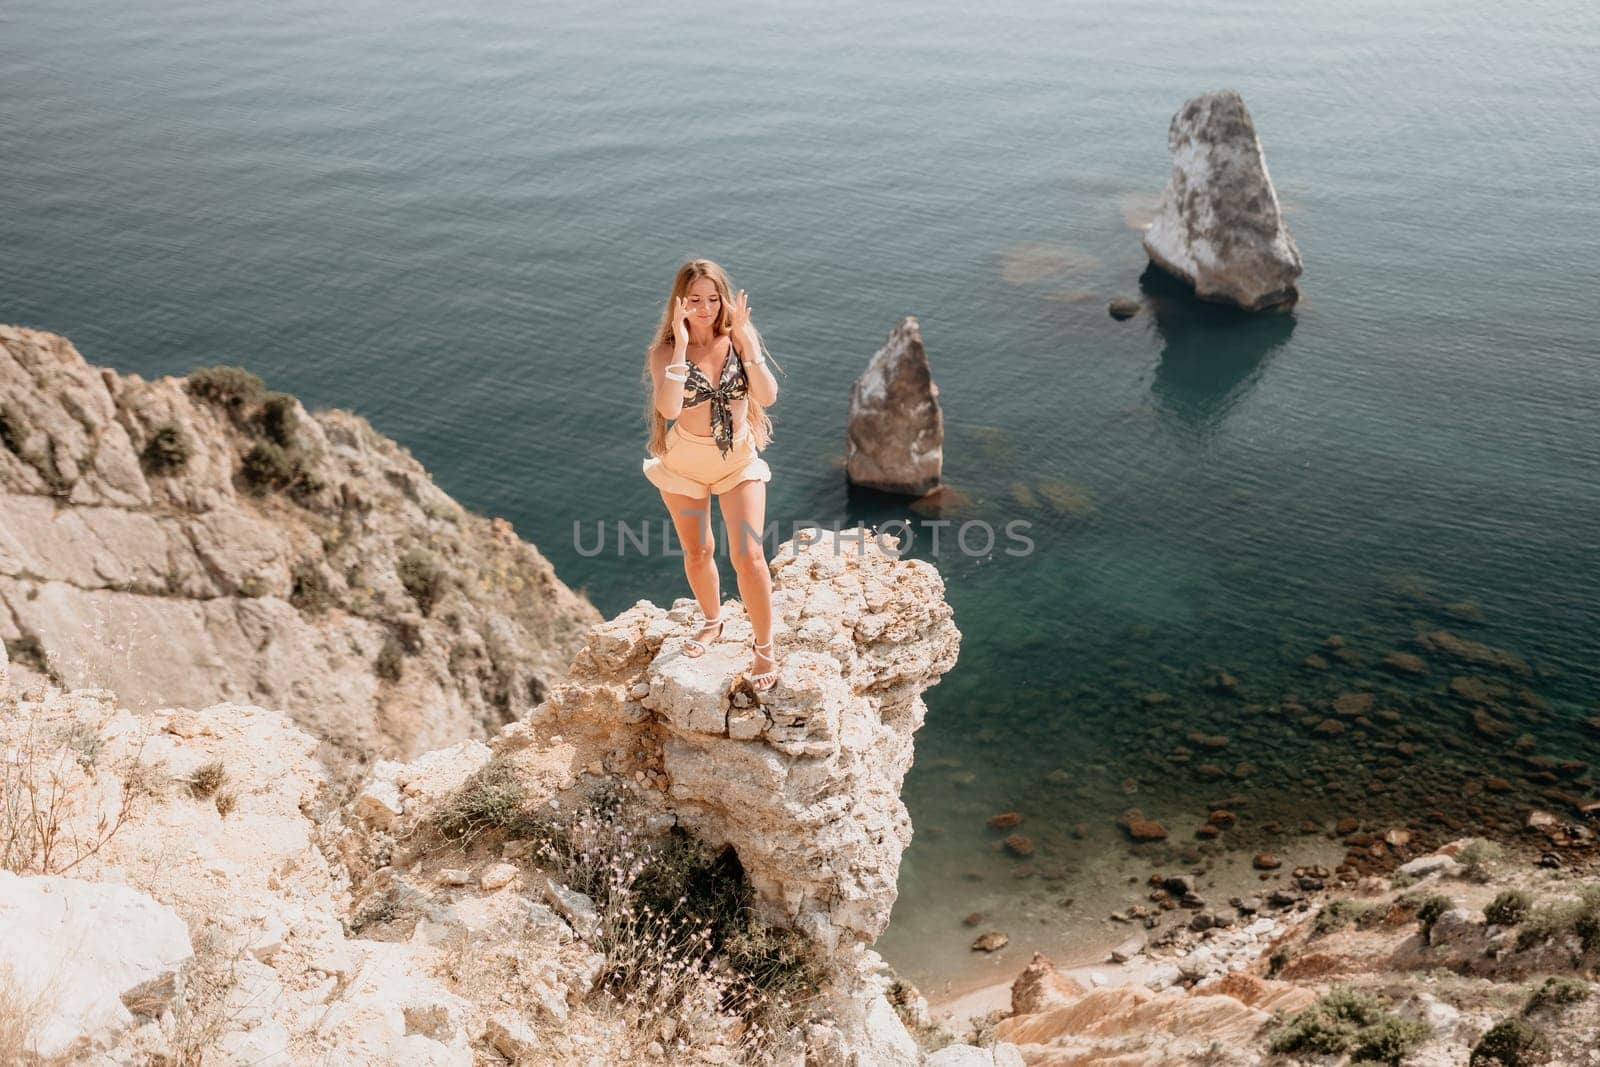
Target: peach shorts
695	466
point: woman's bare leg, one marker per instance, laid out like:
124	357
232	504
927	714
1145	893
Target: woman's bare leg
744	516
691	518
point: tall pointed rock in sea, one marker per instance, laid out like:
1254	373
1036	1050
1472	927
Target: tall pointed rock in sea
1219	226
895	437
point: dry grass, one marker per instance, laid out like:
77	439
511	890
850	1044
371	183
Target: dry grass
20	1017
151	780
206	1010
208	778
688	965
46	783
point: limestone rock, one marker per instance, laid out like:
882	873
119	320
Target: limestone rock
1459	930
1219	226
575	907
177	585
1167	1029
85	956
498	875
809	798
1040	987
960	1056
1003	1054
884	1038
895	438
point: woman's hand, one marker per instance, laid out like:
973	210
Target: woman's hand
739	312
680	323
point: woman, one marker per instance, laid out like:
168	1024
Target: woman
707	370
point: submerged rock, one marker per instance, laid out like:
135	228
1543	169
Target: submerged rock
896	428
1219	226
993	941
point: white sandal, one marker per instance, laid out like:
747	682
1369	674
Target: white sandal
760	682
699	645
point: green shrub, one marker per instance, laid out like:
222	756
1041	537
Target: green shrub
13	430
1346	1020
492	799
1402	879
14	434
268	466
1337	914
309	590
168	450
1478	858
1389	1041
1509	908
390	663
232	387
1546	922
277	418
1511	1043
1558	992
1587	920
422	576
1556	919
1430	908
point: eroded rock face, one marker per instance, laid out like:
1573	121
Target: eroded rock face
1219	226
804	782
896	428
1131	1023
175	584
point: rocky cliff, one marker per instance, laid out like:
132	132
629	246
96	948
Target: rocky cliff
201	539
491	901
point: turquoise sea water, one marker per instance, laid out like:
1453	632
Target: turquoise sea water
461	221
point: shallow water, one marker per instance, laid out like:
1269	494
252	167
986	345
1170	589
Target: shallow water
461	222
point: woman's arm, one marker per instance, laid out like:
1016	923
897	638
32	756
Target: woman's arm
669	366
763	386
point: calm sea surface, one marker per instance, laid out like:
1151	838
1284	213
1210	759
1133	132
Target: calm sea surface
461	220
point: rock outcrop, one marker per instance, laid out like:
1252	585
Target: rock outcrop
189	541
804	782
895	436
1219	226
329	924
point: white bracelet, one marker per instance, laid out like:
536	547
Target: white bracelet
758	361
679	377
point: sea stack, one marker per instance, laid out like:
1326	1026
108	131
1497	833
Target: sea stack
1218	225
896	429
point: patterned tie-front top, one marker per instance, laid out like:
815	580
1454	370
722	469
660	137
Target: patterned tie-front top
732	385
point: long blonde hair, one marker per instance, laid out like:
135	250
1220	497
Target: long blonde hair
756	417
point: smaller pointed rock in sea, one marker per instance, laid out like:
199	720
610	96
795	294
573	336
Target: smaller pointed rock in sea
895	437
1219	226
